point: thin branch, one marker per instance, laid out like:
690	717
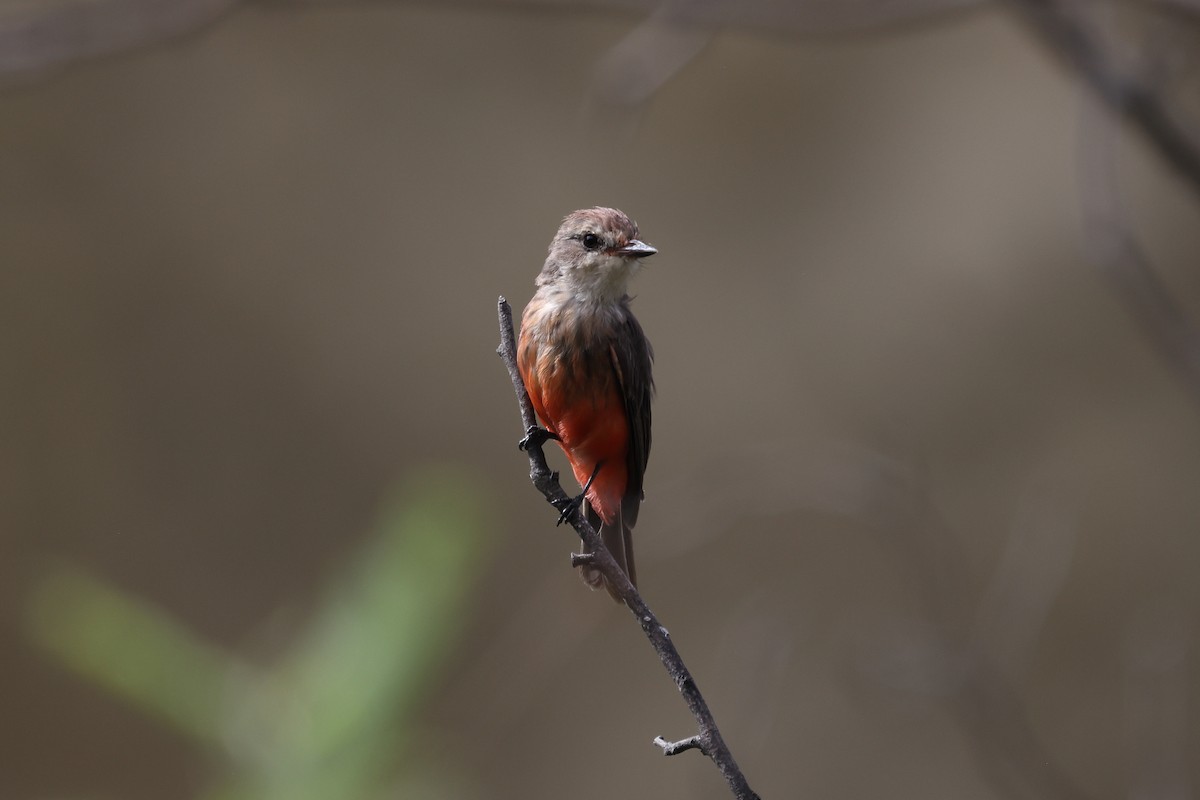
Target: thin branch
708	740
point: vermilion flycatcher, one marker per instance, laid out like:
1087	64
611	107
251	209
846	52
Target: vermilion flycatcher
587	366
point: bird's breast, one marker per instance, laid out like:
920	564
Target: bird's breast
565	359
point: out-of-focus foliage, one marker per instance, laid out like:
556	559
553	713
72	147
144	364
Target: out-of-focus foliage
332	717
132	648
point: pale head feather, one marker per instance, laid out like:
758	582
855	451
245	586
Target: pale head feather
585	257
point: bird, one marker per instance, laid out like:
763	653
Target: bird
587	366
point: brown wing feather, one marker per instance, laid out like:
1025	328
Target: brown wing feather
632	359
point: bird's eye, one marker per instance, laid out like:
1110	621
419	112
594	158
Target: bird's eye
590	240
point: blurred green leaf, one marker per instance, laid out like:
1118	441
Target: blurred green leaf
386	625
131	648
332	718
374	646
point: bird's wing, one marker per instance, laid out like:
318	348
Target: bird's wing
632	358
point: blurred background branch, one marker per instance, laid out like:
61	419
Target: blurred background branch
54	33
1108	237
1126	92
49	33
39	35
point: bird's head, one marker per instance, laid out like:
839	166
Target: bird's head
594	253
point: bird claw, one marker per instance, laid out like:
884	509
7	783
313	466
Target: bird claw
570	507
536	437
575	503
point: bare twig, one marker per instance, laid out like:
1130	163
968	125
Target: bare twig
672	748
708	740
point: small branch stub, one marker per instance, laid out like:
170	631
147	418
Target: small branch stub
675	748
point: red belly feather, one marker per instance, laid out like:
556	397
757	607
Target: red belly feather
592	427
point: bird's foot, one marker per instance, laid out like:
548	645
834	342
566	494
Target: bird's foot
569	507
536	437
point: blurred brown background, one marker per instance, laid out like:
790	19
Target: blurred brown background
923	507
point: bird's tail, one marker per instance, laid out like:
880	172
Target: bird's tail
618	539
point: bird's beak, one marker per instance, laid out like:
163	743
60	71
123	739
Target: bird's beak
637	249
